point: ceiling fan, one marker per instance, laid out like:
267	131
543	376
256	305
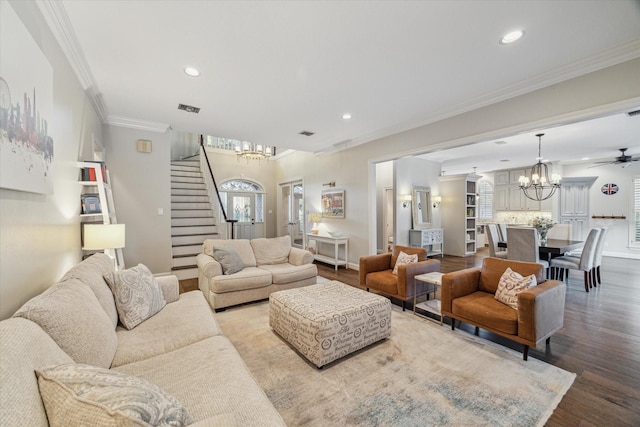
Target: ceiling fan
622	159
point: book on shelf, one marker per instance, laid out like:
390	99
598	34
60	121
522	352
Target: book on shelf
90	203
89	174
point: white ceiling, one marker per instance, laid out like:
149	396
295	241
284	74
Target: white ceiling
270	69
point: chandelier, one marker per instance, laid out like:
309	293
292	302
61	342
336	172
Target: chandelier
254	151
537	186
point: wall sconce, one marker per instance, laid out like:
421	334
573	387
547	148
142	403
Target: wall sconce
436	201
315	218
406	200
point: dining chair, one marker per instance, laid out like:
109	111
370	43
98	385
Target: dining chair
597	261
523	244
493	237
584	263
502	230
560	231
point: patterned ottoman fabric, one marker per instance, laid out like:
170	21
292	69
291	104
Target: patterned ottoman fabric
327	321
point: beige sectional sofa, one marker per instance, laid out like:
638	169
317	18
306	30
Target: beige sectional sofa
180	349
266	266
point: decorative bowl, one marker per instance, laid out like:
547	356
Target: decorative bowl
335	233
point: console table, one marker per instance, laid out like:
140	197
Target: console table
336	242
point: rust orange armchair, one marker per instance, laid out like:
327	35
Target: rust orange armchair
376	273
469	296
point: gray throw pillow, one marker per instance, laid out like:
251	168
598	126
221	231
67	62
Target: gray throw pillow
137	294
229	259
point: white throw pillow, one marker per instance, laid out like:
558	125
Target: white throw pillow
137	294
76	394
403	259
511	284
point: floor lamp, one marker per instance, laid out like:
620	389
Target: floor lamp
107	237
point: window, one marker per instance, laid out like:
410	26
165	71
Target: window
485	200
635	237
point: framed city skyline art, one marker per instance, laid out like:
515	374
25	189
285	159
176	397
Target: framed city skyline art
26	109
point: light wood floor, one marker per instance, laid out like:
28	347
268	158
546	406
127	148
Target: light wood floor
600	342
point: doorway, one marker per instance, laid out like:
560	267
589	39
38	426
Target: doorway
244	201
291	212
387	219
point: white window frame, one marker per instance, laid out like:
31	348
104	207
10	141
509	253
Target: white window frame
634	221
482	208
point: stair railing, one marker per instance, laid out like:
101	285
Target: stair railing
215	186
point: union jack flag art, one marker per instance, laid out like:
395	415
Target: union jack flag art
609	189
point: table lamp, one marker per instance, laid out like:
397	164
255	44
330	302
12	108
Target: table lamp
107	237
315	218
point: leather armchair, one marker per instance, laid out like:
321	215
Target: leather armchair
376	273
468	296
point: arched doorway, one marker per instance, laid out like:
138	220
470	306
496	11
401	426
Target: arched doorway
244	201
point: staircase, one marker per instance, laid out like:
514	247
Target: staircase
192	219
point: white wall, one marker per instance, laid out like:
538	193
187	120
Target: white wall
580	98
225	166
40	234
384	180
141	184
619	204
349	171
410	172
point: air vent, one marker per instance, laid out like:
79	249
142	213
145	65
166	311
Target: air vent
633	113
189	108
306	133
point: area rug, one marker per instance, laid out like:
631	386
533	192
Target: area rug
423	375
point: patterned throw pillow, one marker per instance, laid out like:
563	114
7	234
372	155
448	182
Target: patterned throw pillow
137	294
78	395
510	285
403	259
229	259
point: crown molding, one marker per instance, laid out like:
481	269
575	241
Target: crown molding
127	122
626	52
58	21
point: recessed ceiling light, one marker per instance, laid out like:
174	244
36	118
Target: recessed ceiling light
346	116
190	71
585	158
500	142
512	37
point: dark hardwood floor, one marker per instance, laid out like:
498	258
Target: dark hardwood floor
600	342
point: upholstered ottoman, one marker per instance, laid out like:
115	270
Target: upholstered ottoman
327	321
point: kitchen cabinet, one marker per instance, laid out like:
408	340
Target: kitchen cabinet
574	205
509	197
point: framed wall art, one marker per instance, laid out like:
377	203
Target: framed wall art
333	203
26	109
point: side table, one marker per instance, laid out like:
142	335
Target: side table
432	282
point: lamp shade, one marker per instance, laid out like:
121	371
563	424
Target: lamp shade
103	236
315	217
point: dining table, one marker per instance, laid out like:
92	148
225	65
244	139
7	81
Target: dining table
553	248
